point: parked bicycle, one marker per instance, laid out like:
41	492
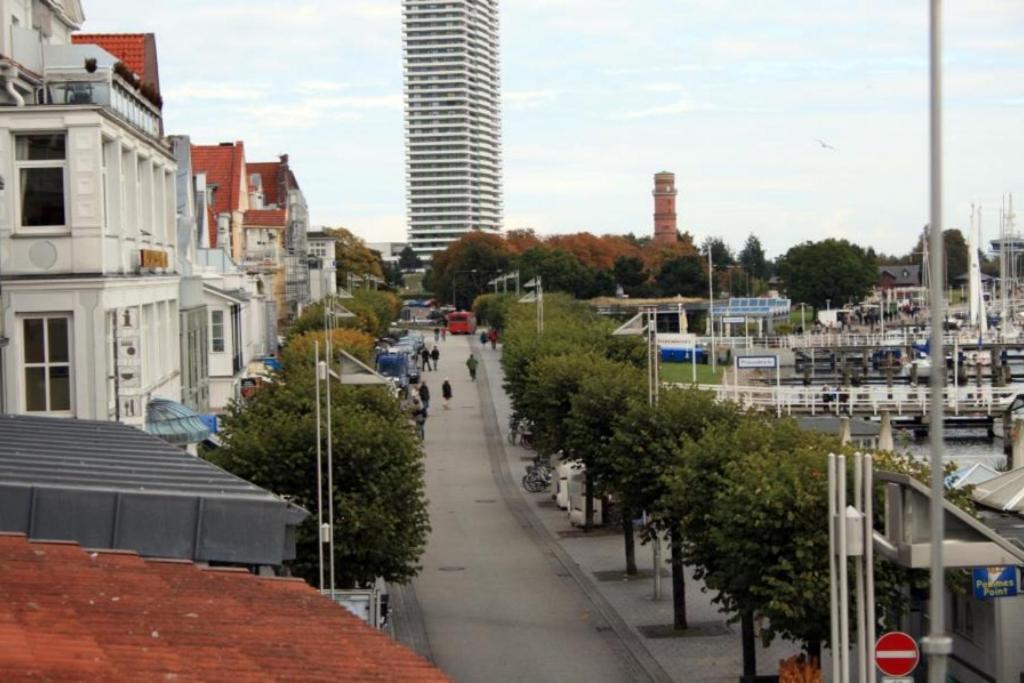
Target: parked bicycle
538	476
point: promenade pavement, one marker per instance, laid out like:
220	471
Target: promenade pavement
510	591
493	604
711	651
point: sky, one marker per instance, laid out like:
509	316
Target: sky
598	95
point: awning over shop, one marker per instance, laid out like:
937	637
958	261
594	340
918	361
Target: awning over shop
175	423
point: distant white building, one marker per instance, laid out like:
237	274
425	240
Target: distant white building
323	273
390	252
88	248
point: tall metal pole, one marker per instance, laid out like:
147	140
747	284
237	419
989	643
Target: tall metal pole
937	645
711	309
319	472
330	461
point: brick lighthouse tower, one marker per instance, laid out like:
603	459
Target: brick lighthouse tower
665	208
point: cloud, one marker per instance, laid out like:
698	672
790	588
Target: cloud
527	99
681	106
314	87
661	87
213	90
392	101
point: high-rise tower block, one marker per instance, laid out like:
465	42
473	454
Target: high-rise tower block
665	208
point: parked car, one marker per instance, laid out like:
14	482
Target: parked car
395	365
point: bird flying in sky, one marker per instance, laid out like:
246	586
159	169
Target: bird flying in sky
824	144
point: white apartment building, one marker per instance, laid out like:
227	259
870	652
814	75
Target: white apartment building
453	120
88	249
323	274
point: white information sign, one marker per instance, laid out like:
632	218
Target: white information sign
757	362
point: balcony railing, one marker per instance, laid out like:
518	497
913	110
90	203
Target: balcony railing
109	93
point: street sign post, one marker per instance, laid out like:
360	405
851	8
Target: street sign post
994	582
759	363
896	654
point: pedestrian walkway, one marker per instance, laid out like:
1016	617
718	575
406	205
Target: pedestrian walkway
710	651
493	602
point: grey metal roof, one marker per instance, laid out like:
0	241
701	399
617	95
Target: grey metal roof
108	485
902	273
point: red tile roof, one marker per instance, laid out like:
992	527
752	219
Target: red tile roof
269	218
71	614
267	171
136	50
224	165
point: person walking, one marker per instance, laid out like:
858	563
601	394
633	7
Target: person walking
425	397
425	358
437	334
471	363
419	417
493	336
435	355
444	333
446	393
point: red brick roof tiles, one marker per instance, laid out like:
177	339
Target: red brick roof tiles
130	48
73	614
267	171
224	166
265	218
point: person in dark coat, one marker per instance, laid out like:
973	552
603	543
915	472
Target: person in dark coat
425	396
435	355
446	392
425	358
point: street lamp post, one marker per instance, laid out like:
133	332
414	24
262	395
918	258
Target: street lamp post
937	645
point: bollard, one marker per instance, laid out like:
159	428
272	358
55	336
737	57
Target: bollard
844	430
885	440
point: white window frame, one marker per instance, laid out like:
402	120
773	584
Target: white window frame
45	163
213	335
47	364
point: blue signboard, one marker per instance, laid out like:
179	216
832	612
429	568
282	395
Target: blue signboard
994	582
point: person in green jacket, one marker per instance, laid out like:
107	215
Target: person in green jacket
471	363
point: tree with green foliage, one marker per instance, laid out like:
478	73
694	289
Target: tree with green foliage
752	258
721	253
643	450
831	270
491	309
352	256
753	500
460	272
570	327
408	259
563	272
632	275
682	276
393	276
381	521
589	429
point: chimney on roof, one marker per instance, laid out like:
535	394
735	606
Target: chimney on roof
227	144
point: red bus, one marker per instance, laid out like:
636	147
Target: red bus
461	322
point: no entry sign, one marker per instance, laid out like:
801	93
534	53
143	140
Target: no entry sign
896	654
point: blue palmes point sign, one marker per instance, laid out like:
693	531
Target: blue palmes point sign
995	582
